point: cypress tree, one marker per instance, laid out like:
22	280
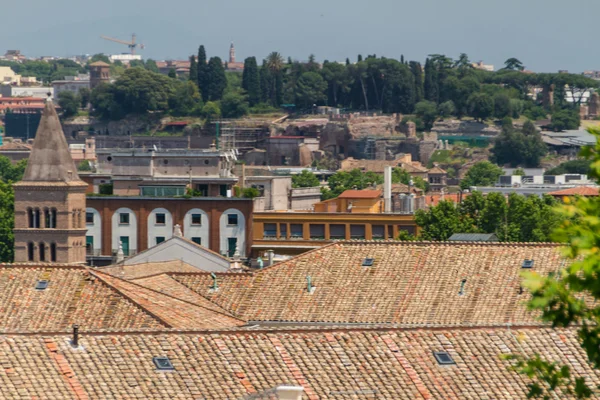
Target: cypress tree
401	58
202	73
430	82
347	61
417	72
251	81
359	58
217	81
193	70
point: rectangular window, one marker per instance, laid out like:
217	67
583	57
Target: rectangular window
409	229
223	190
270	231
390	229
283	231
162	191
124	218
89	218
197	240
296	231
337	232
378	231
317	231
160	219
202	190
196	219
160	239
357	231
232	219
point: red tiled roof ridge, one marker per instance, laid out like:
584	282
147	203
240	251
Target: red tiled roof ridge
43	265
341	327
224	312
98	275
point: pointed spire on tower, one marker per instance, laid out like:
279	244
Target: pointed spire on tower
50	160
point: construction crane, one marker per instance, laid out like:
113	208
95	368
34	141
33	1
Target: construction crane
132	45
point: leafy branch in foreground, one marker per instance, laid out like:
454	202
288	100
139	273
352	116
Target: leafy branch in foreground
570	296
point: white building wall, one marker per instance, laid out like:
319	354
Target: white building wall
157	230
202	231
233	231
119	230
95	229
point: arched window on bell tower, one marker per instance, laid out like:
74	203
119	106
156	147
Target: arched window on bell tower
53	252
42	251
29	217
52	216
36	218
30	251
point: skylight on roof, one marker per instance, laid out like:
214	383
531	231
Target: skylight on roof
41	285
527	264
163	363
443	358
367	262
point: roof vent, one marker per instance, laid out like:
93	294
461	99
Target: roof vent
163	363
443	358
527	264
462	287
41	285
367	262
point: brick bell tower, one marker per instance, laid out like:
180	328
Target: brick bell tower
50	200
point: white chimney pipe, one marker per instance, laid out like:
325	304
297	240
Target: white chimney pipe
387	189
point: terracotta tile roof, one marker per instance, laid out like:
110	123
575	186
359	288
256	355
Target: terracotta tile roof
437	170
73	296
415	283
360	194
165	284
386	364
377	166
413	168
99	64
11	146
434	199
174	312
146	269
577	191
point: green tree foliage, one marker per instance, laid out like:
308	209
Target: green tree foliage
311	90
525	147
194	71
203	76
338	82
84	166
69	102
251	81
518	218
250	193
186	99
84	96
305	179
502	106
151	66
565	119
217	81
234	105
570	167
99	57
137	91
570	296
211	110
427	112
400	175
482	173
513	64
481	106
430	86
172	73
9	173
417	71
446	109
355	179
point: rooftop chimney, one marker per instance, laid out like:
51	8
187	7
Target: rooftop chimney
387	189
75	340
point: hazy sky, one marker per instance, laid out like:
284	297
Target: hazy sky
546	35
